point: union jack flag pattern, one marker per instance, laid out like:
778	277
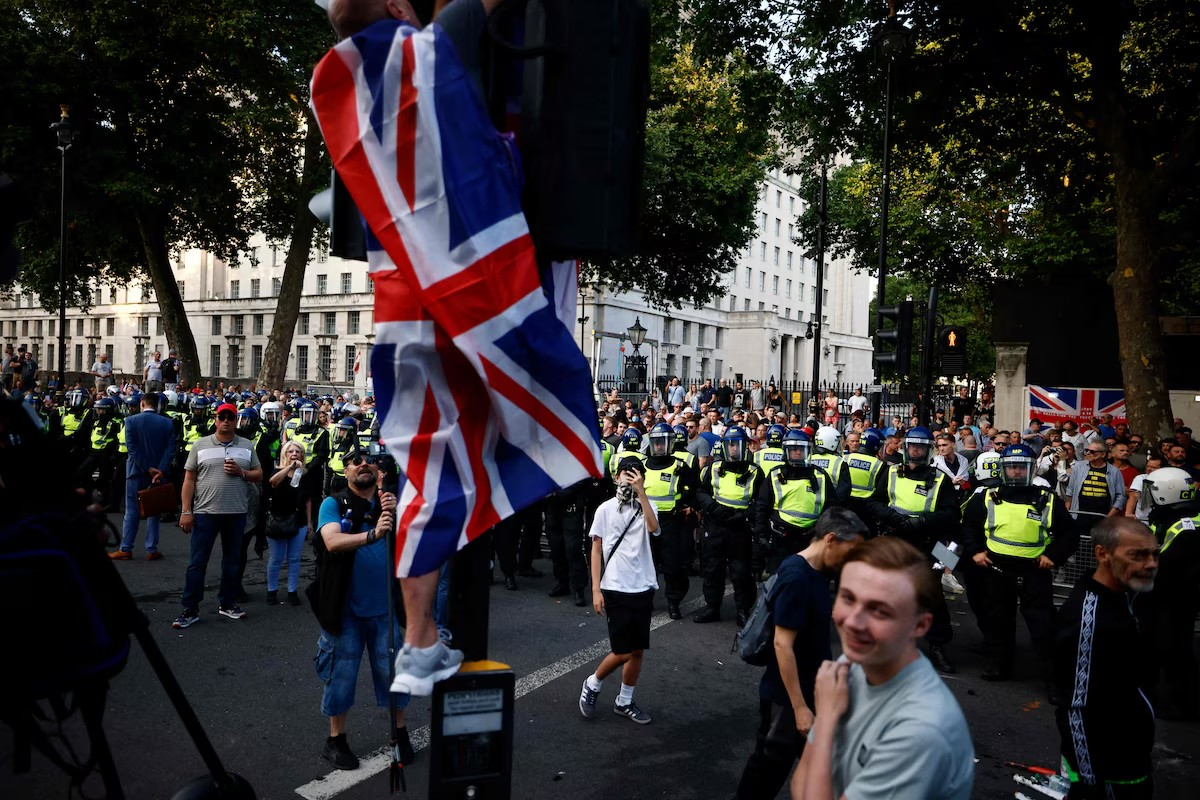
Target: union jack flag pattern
484	398
1050	403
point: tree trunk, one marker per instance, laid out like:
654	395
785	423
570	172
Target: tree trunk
287	306
1143	362
170	304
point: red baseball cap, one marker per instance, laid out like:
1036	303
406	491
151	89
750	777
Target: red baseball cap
230	407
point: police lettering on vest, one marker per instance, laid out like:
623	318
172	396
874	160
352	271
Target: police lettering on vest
864	470
769	458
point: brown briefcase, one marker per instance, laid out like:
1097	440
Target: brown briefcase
157	500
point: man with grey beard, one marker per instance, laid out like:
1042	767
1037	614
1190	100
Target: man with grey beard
1107	724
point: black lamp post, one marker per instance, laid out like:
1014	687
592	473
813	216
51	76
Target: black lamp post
637	334
65	135
817	323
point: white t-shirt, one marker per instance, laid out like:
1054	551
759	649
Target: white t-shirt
631	569
153	370
857	402
102	367
1136	486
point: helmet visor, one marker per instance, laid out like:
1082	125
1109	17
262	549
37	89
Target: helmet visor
1017	471
916	452
795	453
660	443
735	450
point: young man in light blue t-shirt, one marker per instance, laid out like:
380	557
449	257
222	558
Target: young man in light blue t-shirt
886	725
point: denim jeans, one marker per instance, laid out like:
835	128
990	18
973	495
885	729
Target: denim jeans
129	528
281	550
205	530
338	657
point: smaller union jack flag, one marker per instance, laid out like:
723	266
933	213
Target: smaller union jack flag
485	399
1050	403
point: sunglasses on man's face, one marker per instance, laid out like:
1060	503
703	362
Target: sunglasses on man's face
361	458
226	417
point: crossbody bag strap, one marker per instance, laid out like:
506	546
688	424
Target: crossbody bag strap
617	543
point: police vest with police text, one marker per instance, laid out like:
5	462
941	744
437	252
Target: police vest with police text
769	459
910	497
1185	524
864	470
1021	530
662	486
830	462
799	501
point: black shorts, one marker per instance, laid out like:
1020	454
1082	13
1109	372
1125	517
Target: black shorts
628	620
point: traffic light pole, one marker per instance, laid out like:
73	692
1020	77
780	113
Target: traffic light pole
818	323
877	398
928	357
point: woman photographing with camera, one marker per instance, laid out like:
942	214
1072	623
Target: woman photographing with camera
285	534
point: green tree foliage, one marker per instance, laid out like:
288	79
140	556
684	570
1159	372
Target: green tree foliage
708	146
1030	137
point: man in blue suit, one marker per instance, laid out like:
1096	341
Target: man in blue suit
150	438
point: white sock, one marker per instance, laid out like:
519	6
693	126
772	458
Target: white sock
594	683
626	695
427	655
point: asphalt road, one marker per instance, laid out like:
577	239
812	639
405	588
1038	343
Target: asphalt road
253	686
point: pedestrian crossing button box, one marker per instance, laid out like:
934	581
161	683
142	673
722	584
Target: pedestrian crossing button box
472	734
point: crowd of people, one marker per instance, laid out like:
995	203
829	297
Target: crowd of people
743	493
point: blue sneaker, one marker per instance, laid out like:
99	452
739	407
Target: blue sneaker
632	712
587	700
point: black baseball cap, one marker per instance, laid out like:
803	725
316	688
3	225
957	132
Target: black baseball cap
631	464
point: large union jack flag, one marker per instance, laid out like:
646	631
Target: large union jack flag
484	398
1050	403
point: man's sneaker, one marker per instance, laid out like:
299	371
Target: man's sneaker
417	672
337	752
186	618
950	584
121	555
587	700
233	612
632	712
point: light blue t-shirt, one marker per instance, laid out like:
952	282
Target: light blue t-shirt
904	740
368	582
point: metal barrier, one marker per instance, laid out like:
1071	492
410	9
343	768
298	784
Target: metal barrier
1082	564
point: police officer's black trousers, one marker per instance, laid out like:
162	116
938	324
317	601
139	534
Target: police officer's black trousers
778	745
727	546
785	544
676	553
530	538
1176	602
941	632
504	539
1033	589
116	484
567	537
975	583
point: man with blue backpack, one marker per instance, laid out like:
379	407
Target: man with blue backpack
799	604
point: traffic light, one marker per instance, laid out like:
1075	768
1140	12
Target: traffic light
898	359
335	207
952	351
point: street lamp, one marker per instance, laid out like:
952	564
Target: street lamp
637	333
65	135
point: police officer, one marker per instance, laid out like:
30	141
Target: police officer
270	415
1018	532
76	420
316	455
789	501
670	485
631	445
102	447
680	451
827	455
249	426
865	469
725	496
345	442
125	407
1171	494
771	456
917	502
197	426
38	406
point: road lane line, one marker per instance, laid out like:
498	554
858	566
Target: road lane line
340	780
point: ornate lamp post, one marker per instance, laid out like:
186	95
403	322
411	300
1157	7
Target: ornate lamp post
65	135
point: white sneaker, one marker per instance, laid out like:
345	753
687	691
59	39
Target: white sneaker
951	584
417	672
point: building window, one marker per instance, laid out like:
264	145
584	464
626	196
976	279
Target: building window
255	287
37	327
687	369
325	363
276	285
777	226
351	353
239	324
700	330
25	327
158	326
256	353
214	360
668	324
762	221
789	259
216	327
791	205
345	283
746	281
762	251
812	294
302	362
791	230
235	290
182	289
762	281
111	326
79	358
258	328
99	297
235	361
746	306
322	284
304	323
687	330
787	288
778	198
824	297
78	327
670	363
774	284
720	337
52	324
353	321
776	257
762	306
95	326
787	312
732	303
329	322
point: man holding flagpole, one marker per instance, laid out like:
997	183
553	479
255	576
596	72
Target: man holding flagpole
461	316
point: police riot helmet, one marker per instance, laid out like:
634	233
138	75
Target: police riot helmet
631	439
34	401
681	437
105	407
827	438
1167	486
736	444
987	469
200	405
247	421
128	405
662	439
717	452
76	398
112	391
307	413
1017	462
271	414
775	435
918	446
168	400
871	441
796	446
346	428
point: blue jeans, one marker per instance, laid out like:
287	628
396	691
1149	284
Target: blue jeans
278	551
129	527
723	411
338	657
207	527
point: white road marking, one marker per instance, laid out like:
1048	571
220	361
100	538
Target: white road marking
340	780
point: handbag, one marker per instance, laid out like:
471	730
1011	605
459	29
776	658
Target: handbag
156	500
281	526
